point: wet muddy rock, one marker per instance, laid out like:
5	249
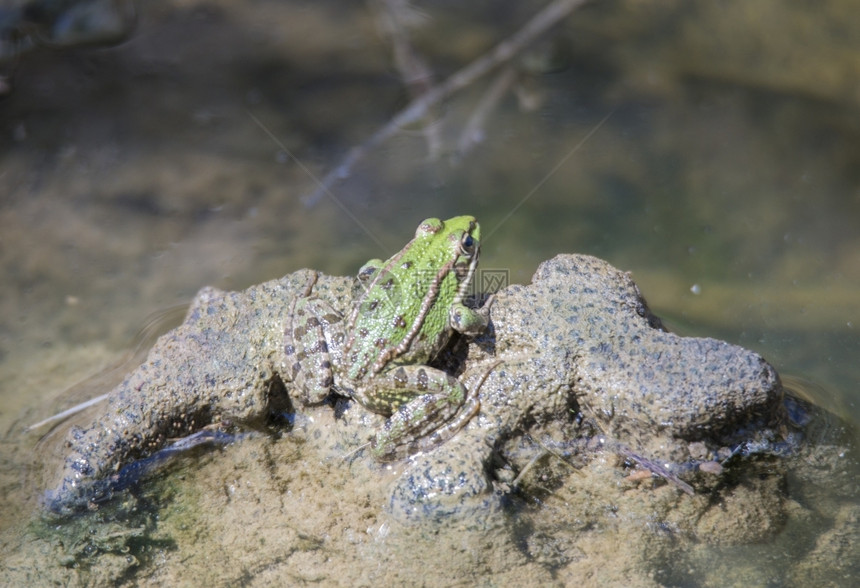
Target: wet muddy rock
573	363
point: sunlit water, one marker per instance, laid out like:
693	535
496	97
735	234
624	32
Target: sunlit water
725	181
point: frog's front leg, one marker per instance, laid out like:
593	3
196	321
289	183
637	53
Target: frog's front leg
311	338
427	407
470	321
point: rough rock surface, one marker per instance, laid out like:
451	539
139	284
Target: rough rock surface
580	354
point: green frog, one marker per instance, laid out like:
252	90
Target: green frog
403	313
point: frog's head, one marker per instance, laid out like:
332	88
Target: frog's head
456	246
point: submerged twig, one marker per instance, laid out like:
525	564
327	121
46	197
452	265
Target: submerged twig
545	450
645	462
419	107
654	467
529	466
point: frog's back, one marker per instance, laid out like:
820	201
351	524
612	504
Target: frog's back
391	325
402	305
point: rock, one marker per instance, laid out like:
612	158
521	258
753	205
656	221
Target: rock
580	340
575	354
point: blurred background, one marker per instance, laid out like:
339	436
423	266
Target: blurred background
150	149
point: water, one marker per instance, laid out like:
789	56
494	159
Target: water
710	152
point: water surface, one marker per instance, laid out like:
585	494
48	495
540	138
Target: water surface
711	150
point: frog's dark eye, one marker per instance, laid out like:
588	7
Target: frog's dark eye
468	244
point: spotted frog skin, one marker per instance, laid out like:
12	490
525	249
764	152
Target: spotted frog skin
403	312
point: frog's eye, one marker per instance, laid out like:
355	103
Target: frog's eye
467	244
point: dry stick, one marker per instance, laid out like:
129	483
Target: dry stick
418	108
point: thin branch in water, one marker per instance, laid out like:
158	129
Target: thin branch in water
646	463
654	468
395	18
528	467
322	186
418	108
473	132
67	413
545	450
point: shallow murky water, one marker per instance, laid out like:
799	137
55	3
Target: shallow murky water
699	148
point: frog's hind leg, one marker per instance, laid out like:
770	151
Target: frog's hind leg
307	342
432	407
